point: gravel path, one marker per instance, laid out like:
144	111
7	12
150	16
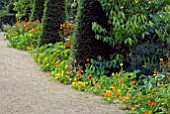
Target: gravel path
26	90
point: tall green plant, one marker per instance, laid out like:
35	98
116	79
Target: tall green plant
86	45
23	9
54	15
37	10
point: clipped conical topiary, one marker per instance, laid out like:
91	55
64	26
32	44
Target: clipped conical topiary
87	46
37	10
54	15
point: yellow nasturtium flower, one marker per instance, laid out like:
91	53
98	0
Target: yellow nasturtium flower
113	73
121	64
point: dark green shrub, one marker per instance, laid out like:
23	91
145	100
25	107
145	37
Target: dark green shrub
11	7
4	3
54	15
37	10
7	15
145	56
8	19
86	45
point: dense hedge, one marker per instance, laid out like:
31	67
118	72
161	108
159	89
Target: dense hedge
37	10
86	45
54	15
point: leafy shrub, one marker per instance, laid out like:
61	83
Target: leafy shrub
146	54
132	22
23	9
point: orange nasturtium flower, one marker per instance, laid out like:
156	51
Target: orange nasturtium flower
126	100
150	112
161	59
167	55
108	93
168	63
122	80
145	113
154	103
42	65
119	97
81	71
149	101
160	62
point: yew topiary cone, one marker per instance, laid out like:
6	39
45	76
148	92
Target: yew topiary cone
37	11
54	15
87	46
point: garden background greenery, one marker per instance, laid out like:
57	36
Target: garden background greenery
116	49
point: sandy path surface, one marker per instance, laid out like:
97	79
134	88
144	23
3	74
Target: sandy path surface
26	90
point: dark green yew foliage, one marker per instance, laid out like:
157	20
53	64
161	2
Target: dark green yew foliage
7	14
54	15
11	7
86	45
145	55
37	11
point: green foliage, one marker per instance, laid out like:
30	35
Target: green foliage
86	45
132	22
54	15
7	15
54	58
152	96
23	9
4	3
24	35
71	9
145	56
11	7
37	10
